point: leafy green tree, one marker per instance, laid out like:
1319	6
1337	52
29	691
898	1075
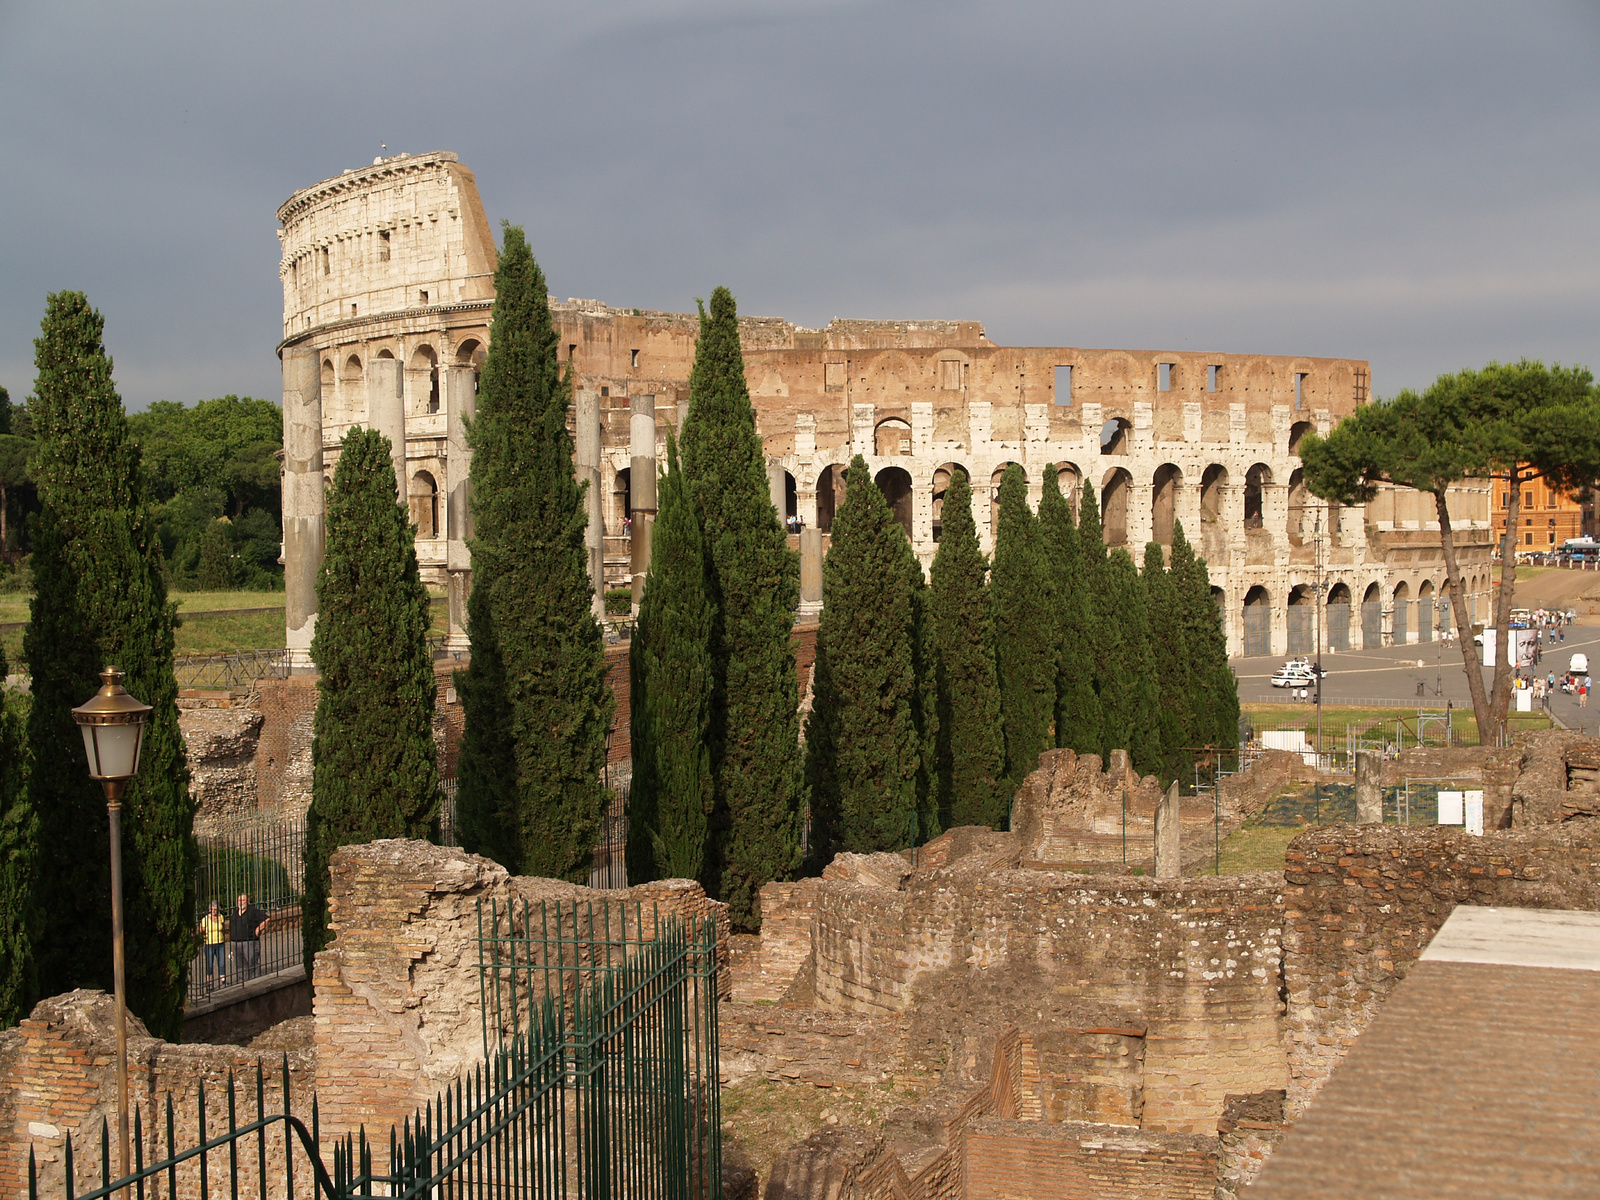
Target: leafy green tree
101	599
16	486
1024	630
863	749
1213	692
19	848
375	772
1077	711
1516	422
970	747
1171	663
670	673
534	695
755	584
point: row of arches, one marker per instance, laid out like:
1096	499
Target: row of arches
423	365
892	436
1416	615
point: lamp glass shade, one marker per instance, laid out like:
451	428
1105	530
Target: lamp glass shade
113	749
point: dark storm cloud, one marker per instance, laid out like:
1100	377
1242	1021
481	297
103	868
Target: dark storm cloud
1416	184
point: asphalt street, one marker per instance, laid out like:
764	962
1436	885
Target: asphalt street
1436	671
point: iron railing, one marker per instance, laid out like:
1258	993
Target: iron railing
221	672
266	862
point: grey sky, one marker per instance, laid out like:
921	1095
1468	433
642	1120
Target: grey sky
1412	183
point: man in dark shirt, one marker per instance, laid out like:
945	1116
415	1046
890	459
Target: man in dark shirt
244	931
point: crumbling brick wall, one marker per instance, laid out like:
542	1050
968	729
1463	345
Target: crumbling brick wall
1362	901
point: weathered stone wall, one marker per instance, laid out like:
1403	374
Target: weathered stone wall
1005	1159
1362	901
1250	1130
221	732
58	1078
1198	960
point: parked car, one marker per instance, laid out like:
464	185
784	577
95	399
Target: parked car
1306	665
1293	677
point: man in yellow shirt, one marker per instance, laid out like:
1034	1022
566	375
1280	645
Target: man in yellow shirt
213	932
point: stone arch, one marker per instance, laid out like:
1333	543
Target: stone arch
895	484
1114	492
1257	622
1256	482
327	374
422	498
621	499
943	475
424	370
1425	614
891	437
1166	487
1301	520
1297	431
791	504
994	495
1213	486
1302	620
1115	435
1372	618
470	353
385	353
1338	617
1219	597
1402	613
1070	480
352	369
830	494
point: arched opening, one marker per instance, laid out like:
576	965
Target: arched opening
1338	617
1070	480
830	494
1257	622
1297	431
1213	485
352	369
994	498
470	353
422	499
622	502
1425	617
1114	506
891	437
1302	620
327	374
791	504
1164	489
1302	520
1256	481
424	370
942	478
1114	436
1219	597
1402	613
1372	618
386	353
895	484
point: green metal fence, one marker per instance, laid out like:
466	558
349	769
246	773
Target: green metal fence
600	1081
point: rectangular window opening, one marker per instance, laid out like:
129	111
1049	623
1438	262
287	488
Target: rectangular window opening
633	358
833	377
423	297
605	391
572	351
1299	389
950	374
327	267
1213	375
383	245
1064	384
352	310
1164	377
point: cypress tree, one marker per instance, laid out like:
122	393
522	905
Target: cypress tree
754	586
101	599
1024	630
1170	660
19	847
1128	697
863	748
534	695
924	700
669	802
1097	613
1214	693
375	773
1077	710
970	750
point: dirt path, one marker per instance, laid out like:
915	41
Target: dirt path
1553	586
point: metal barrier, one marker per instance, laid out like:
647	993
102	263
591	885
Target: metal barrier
221	672
266	862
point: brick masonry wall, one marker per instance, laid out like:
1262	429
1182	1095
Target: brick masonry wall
1006	1159
784	946
1361	902
801	1045
283	750
1199	960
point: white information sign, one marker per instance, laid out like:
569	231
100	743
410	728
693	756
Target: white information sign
1474	813
1524	699
1450	808
1487	648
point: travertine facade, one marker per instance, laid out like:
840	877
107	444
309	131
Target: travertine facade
387	276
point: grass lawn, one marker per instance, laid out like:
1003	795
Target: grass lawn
1337	721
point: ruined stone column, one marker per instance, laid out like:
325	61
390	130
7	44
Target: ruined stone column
302	500
461	405
586	460
1369	788
642	487
1169	829
386	414
810	571
776	491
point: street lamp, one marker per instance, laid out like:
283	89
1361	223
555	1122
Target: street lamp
112	723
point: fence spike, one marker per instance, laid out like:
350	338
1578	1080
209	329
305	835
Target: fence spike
71	1183
138	1146
105	1153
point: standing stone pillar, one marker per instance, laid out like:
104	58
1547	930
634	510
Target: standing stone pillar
302	500
586	454
386	414
1169	828
777	492
642	487
461	405
1369	788
810	571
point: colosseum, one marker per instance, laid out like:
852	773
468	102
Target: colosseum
388	287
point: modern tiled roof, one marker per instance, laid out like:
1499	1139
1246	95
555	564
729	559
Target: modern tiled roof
1480	1075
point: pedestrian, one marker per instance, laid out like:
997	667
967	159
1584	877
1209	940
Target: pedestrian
212	930
244	929
1583	695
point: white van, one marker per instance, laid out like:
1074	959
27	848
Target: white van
1579	665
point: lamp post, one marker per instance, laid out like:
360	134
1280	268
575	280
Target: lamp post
112	723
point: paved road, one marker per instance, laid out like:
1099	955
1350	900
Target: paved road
1393	674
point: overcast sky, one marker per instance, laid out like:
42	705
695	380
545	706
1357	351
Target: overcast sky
1412	183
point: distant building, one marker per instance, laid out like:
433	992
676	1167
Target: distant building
1547	517
387	276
